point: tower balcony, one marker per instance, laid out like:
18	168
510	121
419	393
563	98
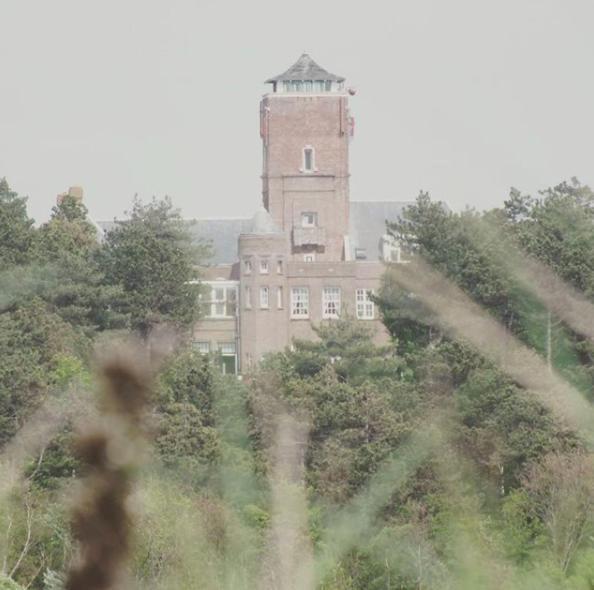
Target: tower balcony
309	236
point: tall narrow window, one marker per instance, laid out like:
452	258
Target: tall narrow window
248	298
247	266
299	302
279	297
308	159
228	358
331	302
264	266
264	296
365	307
279	267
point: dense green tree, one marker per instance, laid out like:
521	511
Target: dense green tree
33	345
16	228
352	395
68	247
152	257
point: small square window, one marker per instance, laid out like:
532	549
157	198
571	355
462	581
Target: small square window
309	219
309	258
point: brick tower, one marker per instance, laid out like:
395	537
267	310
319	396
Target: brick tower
305	129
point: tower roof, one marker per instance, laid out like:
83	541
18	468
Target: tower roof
305	68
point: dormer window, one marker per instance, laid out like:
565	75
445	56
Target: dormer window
309	164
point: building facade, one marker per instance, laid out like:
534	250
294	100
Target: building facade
310	254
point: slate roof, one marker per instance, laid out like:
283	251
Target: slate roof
221	234
305	68
367	226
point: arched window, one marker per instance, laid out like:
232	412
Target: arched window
309	164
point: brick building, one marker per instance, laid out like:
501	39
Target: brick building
310	254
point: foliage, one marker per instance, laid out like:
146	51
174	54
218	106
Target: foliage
16	228
152	259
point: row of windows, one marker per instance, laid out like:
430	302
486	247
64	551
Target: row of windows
222	302
307	85
248	266
300	301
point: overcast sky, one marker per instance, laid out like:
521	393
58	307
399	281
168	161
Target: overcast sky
463	98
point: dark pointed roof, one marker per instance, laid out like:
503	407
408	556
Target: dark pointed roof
305	68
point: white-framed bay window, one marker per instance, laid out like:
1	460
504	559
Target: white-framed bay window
331	302
364	304
219	299
299	302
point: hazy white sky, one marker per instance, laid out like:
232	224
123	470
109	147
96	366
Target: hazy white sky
463	98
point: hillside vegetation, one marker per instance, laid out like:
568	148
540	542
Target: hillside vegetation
458	456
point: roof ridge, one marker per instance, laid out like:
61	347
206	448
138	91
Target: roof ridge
305	68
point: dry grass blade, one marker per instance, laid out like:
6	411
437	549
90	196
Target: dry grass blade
464	318
111	449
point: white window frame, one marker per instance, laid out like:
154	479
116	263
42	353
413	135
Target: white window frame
312	168
264	297
364	306
331	302
228	301
264	266
229	350
304	219
300	303
201	346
